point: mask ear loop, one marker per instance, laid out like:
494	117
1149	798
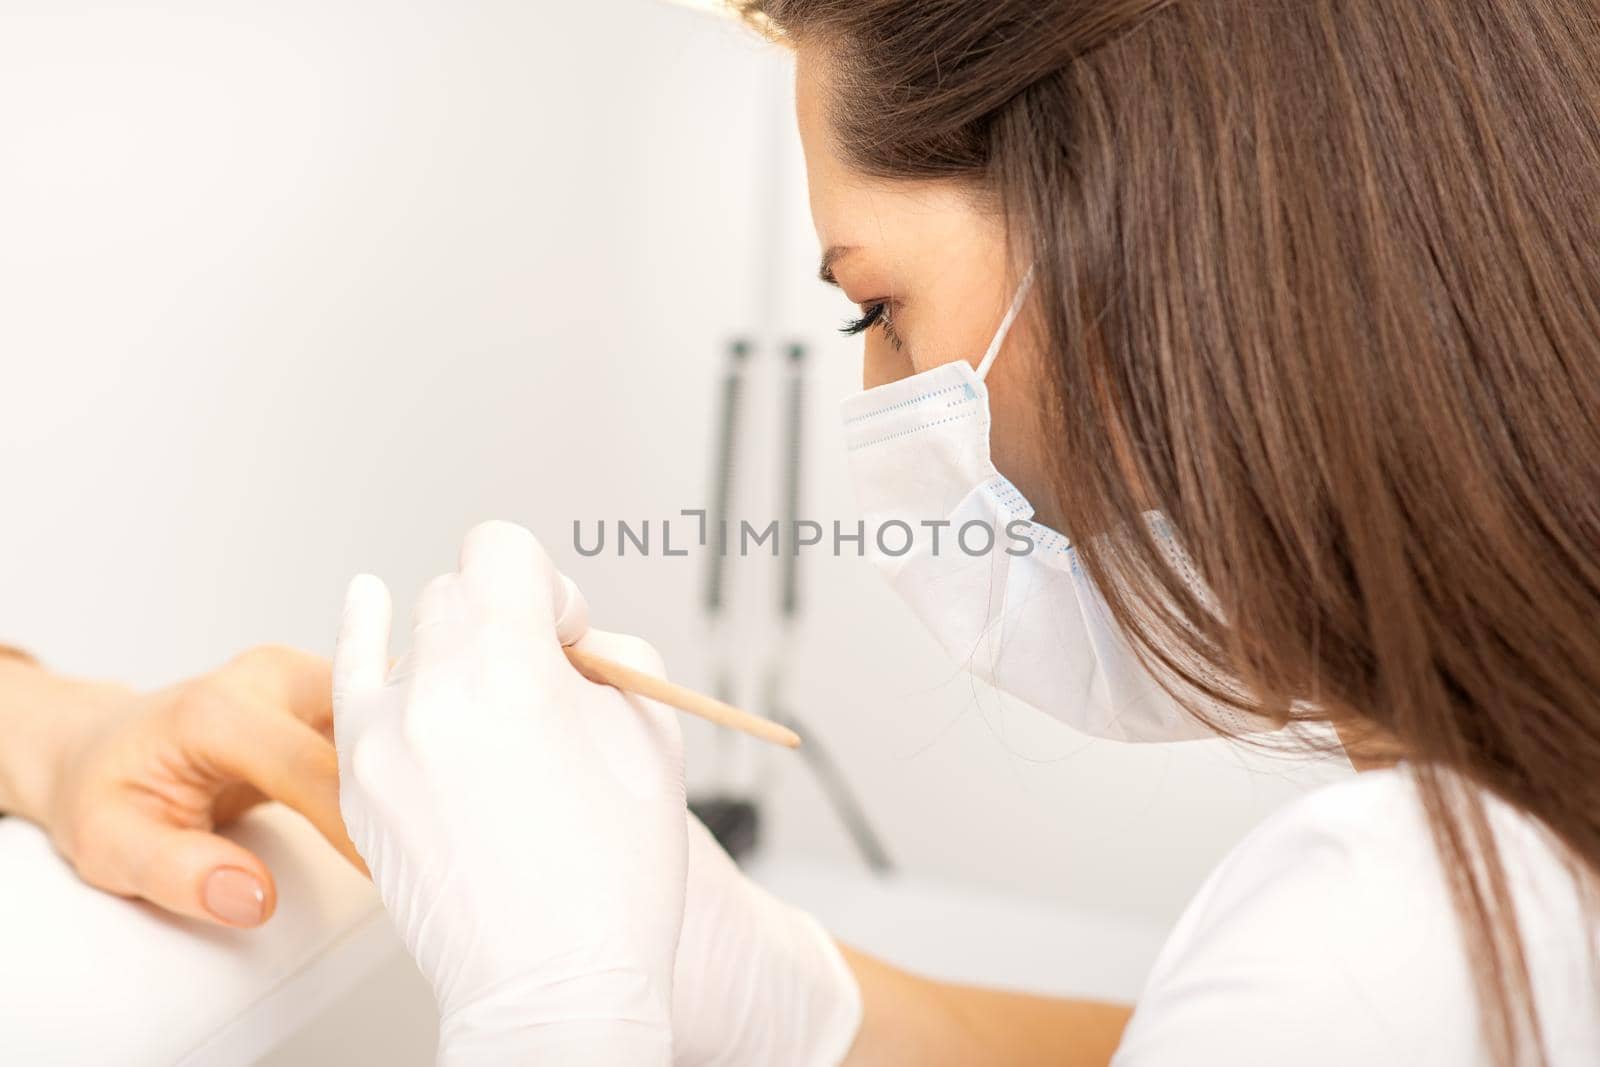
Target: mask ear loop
1005	325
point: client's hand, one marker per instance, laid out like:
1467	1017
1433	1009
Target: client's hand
524	826
130	785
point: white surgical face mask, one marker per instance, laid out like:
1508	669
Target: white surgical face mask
1004	595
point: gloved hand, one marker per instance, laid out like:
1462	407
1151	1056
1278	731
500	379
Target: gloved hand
758	981
524	826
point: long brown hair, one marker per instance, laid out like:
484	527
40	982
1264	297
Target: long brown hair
1320	281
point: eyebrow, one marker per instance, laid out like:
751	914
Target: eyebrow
829	258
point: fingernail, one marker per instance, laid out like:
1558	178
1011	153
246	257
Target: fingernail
235	897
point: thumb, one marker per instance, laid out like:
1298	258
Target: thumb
189	872
572	612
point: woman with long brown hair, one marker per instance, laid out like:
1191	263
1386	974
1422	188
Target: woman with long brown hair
1287	317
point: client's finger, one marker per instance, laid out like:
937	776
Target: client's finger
289	677
300	681
189	872
285	759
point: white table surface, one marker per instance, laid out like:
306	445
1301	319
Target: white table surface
91	979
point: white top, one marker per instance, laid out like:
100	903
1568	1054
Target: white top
1327	938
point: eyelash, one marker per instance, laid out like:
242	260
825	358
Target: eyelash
876	315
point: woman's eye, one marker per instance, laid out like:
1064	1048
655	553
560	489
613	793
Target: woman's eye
873	315
876	315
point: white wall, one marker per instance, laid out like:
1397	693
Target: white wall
291	290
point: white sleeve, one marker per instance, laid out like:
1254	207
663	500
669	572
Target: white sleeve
1327	939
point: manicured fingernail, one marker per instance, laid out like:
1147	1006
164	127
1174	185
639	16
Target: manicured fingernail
235	897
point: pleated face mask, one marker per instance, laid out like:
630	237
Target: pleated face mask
1004	595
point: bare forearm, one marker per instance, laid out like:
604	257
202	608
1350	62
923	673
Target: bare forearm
911	1020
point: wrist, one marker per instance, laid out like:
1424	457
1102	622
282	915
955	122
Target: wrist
618	1016
786	995
824	995
41	715
573	1043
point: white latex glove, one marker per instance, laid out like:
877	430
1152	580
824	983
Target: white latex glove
758	980
524	826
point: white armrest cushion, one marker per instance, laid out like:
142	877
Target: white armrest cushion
90	978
